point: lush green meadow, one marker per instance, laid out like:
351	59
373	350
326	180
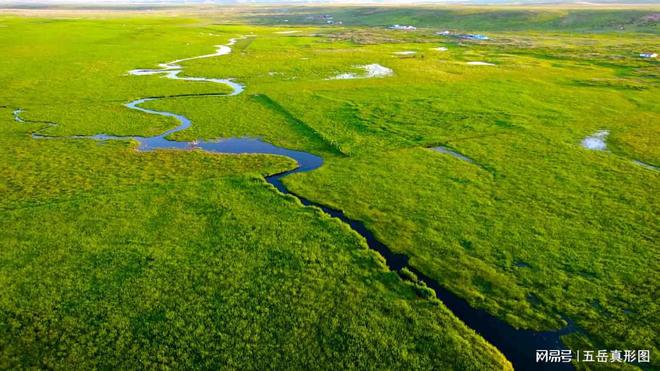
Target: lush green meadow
613	18
113	258
116	258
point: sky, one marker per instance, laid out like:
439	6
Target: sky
165	2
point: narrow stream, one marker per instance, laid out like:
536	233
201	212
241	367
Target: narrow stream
447	151
646	165
519	346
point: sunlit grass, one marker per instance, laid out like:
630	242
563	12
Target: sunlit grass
197	261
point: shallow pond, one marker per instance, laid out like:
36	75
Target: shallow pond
596	141
370	71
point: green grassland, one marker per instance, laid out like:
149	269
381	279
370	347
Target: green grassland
539	228
509	18
113	258
179	273
187	259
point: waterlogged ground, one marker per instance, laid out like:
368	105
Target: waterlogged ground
477	171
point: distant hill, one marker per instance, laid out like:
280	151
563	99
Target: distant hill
494	15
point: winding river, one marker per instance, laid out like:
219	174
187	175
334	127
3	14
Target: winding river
519	346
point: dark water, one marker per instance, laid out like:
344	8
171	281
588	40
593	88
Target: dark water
519	346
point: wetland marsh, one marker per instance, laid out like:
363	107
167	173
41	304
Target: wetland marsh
229	216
